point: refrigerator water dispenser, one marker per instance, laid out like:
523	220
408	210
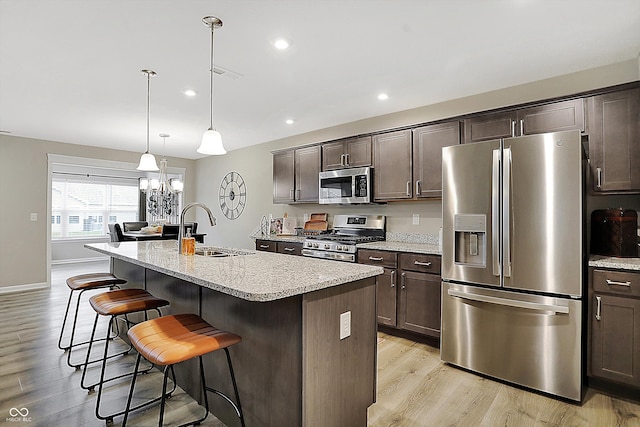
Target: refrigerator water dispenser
470	239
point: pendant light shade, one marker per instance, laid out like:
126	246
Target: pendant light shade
148	160
212	143
148	163
211	140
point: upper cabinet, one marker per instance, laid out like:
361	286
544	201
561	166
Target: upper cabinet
428	142
614	141
408	163
392	165
557	116
350	153
295	175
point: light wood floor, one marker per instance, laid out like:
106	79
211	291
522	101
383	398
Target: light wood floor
415	388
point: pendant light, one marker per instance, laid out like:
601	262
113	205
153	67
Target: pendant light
211	140
148	160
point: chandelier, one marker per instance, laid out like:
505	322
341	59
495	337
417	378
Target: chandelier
162	193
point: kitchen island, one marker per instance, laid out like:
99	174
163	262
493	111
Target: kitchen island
292	366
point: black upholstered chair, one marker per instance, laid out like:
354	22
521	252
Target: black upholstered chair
170	231
115	231
134	225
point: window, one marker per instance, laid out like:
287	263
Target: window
80	204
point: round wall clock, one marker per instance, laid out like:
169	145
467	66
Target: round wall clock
232	195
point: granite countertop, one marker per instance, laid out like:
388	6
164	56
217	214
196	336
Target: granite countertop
613	262
254	276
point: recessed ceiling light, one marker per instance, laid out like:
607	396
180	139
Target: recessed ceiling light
289	121
281	44
189	92
383	96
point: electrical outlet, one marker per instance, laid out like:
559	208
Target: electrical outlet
34	216
416	219
345	325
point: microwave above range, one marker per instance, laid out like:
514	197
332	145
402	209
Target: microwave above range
346	186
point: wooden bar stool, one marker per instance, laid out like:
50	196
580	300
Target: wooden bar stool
169	340
116	303
81	284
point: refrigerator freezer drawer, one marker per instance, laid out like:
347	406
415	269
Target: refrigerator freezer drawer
530	340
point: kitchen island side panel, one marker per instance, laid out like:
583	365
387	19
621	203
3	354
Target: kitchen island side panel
339	376
267	363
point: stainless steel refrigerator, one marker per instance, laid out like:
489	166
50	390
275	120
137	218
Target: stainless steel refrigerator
513	260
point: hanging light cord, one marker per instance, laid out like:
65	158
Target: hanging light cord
211	71
148	105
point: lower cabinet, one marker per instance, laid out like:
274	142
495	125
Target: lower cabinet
614	320
408	292
265	245
420	293
291	248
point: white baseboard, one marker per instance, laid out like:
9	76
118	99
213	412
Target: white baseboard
22	288
78	260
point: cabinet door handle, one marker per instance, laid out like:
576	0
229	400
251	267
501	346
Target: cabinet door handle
418	185
393	278
409	188
341	159
289	249
375	258
291	194
598	307
404	279
521	127
613	282
298	194
513	128
424	264
346	159
599	177
264	246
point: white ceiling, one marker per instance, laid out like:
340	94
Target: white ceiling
70	69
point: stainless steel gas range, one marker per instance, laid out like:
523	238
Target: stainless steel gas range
347	232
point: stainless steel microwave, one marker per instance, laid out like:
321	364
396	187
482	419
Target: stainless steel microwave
346	186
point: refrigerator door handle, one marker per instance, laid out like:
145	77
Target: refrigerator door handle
495	212
506	212
510	302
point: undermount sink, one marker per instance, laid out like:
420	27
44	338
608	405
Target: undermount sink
219	252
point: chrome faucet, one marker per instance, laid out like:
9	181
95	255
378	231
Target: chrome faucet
212	220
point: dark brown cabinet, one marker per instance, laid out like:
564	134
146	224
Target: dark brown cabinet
386	295
289	248
295	175
420	293
428	142
350	153
614	321
265	245
556	116
614	141
392	162
408	293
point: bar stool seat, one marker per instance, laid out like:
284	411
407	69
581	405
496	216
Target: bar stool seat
113	304
169	340
79	284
